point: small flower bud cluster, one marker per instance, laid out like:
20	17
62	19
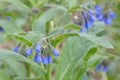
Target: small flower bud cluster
42	54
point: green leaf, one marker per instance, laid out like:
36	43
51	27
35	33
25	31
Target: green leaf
62	37
18	68
91	52
95	60
19	5
97	27
73	8
40	23
10	27
74	26
70	60
27	42
102	41
20	37
71	3
55	31
5	54
4	75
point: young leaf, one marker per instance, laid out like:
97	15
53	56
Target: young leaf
91	52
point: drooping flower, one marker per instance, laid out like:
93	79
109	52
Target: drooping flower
100	17
55	52
111	14
38	48
98	67
16	48
1	29
107	20
38	58
92	19
90	11
47	59
87	24
102	67
28	51
98	8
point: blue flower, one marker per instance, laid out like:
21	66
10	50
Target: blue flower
98	8
100	17
98	67
104	68
38	58
1	29
107	20
92	18
47	59
9	18
111	14
84	15
38	48
15	49
101	67
90	11
55	52
82	29
29	51
87	24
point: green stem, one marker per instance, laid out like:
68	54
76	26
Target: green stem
104	76
28	70
48	74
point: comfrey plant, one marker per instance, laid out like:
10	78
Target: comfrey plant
57	42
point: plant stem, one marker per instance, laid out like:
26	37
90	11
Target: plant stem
48	74
104	76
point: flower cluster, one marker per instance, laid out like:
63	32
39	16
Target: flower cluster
42	54
105	16
86	17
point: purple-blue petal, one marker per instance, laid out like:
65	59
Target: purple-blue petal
104	68
107	21
112	14
29	51
55	52
16	48
38	48
38	58
98	67
47	59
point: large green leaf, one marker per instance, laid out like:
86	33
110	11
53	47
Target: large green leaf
71	58
5	54
101	41
17	67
